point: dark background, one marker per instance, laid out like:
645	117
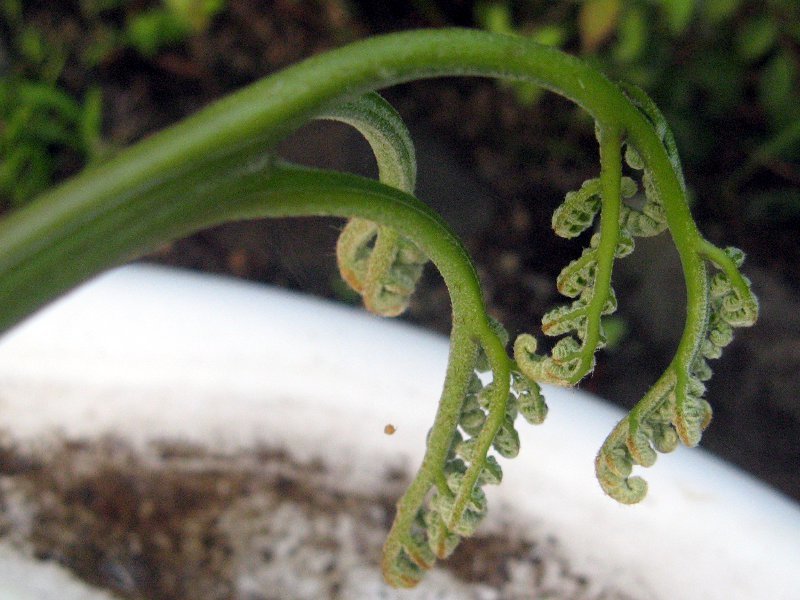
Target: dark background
79	80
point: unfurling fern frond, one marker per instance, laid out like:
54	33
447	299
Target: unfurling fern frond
587	278
651	219
374	260
674	410
380	265
456	504
384	268
576	214
191	177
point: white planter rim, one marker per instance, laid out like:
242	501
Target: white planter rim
231	365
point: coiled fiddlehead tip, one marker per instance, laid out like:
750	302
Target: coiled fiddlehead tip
375	261
614	463
625	490
451	503
380	265
401	571
535	366
640	448
673	411
530	402
353	248
576	214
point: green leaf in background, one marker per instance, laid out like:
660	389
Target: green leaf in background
756	38
597	20
777	89
793	30
11	10
549	35
678	13
152	30
716	11
631	35
197	14
91	123
36	120
495	17
616	329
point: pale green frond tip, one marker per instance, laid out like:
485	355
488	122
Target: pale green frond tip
533	408
578	275
560	368
693	416
482	365
387	135
506	442
640	448
378	263
633	159
613	468
492	473
442	542
577	212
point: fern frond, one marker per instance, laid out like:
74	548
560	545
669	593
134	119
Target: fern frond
576	214
587	278
456	504
375	261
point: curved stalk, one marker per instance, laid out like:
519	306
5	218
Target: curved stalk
243	126
218	166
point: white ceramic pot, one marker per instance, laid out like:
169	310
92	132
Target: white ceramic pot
147	355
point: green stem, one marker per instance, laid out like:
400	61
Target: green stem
610	179
277	190
501	380
244	125
463	352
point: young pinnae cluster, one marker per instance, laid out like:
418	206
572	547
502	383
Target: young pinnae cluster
385	267
572	357
457	504
379	264
674	410
678	412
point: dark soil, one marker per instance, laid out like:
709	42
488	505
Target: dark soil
176	522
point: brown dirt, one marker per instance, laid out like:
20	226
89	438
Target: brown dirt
178	522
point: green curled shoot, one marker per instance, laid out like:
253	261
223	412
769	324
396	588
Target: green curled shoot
674	411
454	503
220	165
587	279
374	260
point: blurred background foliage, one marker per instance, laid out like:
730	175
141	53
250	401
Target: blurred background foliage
49	126
725	72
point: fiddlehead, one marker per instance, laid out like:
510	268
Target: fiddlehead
587	279
452	502
384	267
373	259
446	500
674	411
